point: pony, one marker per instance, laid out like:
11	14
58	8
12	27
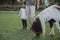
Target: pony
50	15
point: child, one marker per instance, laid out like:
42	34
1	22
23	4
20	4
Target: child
22	14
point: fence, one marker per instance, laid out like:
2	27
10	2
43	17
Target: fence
9	7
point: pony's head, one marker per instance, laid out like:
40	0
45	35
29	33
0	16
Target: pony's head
36	27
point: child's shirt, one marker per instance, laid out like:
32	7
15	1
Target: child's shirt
22	13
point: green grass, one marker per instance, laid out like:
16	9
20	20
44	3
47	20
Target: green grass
10	29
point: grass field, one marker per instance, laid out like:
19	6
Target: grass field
11	29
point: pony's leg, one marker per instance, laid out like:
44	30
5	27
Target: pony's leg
43	27
57	25
52	28
52	31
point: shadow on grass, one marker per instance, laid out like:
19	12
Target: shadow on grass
25	35
22	35
1	36
51	38
58	36
36	38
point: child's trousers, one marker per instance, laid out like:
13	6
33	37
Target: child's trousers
24	22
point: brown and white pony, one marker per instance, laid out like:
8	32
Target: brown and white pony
51	15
